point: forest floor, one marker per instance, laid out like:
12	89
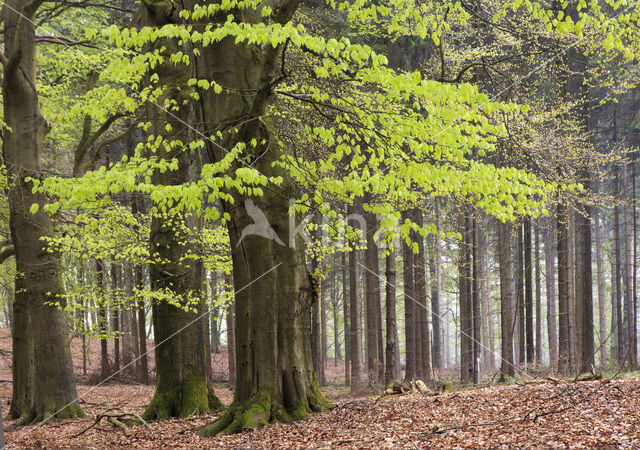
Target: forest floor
588	414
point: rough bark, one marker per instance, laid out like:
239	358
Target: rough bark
464	288
528	292
506	300
409	308
564	346
392	367
53	392
372	301
182	386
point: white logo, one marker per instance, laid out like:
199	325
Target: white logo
260	227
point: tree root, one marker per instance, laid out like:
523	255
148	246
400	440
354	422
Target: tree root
71	411
116	419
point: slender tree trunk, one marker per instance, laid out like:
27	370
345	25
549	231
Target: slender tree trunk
420	278
620	344
409	308
528	292
584	283
520	300
629	270
142	334
355	332
536	258
372	300
345	315
436	289
550	268
392	363
601	287
564	346
506	300
464	285
231	336
115	315
105	370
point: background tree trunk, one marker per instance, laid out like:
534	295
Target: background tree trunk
506	300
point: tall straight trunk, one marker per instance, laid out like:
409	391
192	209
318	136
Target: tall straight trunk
464	287
629	270
105	370
536	258
316	313
231	339
602	335
476	318
620	344
564	345
487	342
115	315
584	283
634	304
420	279
392	368
143	368
142	334
215	314
355	331
345	320
575	343
372	300
528	292
550	269
334	309
409	309
44	386
506	299
182	385
520	300
435	269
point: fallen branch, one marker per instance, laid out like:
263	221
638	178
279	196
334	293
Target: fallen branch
116	419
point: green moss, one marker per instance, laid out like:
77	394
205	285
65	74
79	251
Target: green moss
255	413
195	396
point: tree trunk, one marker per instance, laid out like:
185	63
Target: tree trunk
629	271
142	334
536	258
601	286
464	285
355	331
45	387
506	300
528	292
520	300
345	320
231	332
564	346
115	315
105	370
420	278
620	344
372	300
549	266
392	363
409	309
182	386
436	288
584	284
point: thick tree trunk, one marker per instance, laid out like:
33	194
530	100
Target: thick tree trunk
51	391
182	386
506	300
392	368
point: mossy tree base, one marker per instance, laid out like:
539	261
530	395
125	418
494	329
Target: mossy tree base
52	412
260	410
196	396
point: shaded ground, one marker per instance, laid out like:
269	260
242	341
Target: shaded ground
585	414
